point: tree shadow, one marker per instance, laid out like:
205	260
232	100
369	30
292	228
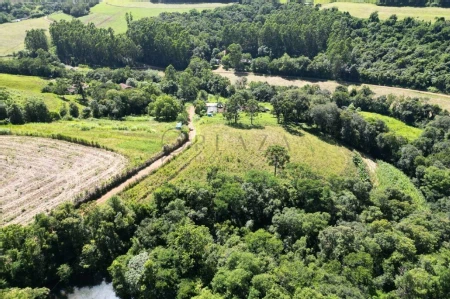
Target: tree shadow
242	126
293	129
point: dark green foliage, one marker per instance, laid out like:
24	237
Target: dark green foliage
15	114
74	110
35	40
36	111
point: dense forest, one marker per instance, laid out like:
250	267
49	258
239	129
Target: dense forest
295	234
291	39
290	233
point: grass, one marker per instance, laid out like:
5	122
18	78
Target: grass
106	14
387	176
394	125
137	138
363	10
12	35
112	13
22	88
237	150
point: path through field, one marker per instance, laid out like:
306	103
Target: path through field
155	165
37	174
434	98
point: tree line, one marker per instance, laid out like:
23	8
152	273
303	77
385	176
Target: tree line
288	39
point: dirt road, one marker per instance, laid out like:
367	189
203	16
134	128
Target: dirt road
155	165
379	90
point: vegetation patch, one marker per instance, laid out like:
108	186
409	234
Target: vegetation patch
20	88
387	176
137	145
235	150
394	125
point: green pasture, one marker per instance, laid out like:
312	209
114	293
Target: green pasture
235	150
137	138
22	88
394	125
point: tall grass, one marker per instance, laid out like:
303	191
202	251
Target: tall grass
394	125
390	177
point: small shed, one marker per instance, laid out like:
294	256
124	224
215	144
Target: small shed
179	125
211	108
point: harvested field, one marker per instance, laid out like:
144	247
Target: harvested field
38	174
433	98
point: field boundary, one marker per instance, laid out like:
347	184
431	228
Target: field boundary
116	180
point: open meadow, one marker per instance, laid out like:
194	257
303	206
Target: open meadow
22	88
104	15
363	10
12	35
136	138
236	150
112	13
395	125
38	174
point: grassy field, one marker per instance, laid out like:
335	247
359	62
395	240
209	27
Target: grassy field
12	35
237	150
106	14
363	10
22	88
394	125
112	13
387	176
137	138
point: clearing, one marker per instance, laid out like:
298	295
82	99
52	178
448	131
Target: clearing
106	14
38	174
112	13
236	150
24	87
387	176
137	137
434	98
363	10
12	35
395	125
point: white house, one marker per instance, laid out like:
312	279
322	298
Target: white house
211	108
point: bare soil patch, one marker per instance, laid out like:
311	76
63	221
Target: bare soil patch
433	98
37	174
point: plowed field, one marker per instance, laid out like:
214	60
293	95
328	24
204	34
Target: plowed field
37	174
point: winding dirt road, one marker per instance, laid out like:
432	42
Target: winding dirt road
155	165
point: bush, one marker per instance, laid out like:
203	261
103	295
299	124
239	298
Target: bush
73	110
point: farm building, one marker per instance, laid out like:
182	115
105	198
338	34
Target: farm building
178	125
211	108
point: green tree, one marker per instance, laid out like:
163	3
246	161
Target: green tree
73	110
36	39
15	114
233	108
234	52
277	156
252	108
165	108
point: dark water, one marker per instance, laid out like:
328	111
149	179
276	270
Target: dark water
100	291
